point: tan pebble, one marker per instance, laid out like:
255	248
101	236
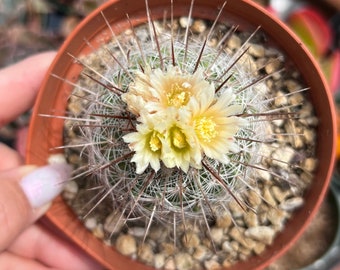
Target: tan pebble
145	254
76	107
259	248
262	213
183	22
190	240
310	164
157	234
277	217
272	66
256	50
170	264
263	234
280	99
224	221
201	253
98	232
216	235
212	265
234	42
113	223
293	128
126	244
278	122
239	222
245	251
226	263
184	261
250	219
212	42
312	121
248	63
292	85
254	198
297	142
238	235
296	99
306	111
227	247
277	77
283	156
292	203
235	245
264	175
306	178
242	257
199	26
75	159
159	261
309	136
268	197
168	248
207	242
236	209
279	194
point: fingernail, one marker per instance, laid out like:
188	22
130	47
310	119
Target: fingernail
42	185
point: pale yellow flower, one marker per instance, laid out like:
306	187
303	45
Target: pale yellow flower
147	143
180	147
140	92
180	119
215	123
156	90
164	137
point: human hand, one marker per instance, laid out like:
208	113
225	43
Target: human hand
25	191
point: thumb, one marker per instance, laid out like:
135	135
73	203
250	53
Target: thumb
25	195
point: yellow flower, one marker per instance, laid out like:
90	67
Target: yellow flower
147	143
180	147
215	123
156	90
164	137
140	92
180	119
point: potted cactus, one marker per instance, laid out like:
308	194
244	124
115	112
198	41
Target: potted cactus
203	131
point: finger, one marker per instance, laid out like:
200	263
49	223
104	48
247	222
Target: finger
19	84
23	201
20	142
14	262
10	158
48	249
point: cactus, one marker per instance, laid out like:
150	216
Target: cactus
175	127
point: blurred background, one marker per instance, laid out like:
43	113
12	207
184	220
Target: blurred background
31	26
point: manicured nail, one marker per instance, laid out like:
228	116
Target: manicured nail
42	185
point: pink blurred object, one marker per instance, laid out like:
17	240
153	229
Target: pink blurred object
313	29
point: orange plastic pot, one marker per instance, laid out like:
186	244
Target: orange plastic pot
47	133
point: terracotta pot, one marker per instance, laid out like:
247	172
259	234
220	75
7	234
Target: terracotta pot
46	133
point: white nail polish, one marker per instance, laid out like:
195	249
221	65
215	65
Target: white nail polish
44	184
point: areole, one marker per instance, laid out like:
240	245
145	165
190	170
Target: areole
47	133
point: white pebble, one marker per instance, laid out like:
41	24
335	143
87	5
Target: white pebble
263	234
